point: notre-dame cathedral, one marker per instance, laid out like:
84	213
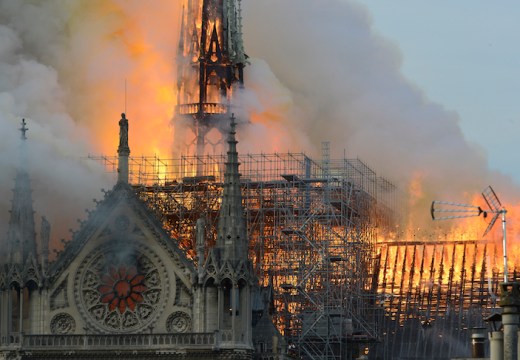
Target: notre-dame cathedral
121	288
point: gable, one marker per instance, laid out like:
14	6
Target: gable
121	272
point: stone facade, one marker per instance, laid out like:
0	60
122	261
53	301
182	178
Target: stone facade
121	288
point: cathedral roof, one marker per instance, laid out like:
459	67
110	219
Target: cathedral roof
118	218
106	221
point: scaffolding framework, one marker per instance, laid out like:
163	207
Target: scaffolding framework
312	227
315	230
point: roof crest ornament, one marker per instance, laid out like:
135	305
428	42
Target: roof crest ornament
24	130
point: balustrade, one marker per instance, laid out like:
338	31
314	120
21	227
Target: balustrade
207	108
137	341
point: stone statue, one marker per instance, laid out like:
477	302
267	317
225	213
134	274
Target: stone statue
123	134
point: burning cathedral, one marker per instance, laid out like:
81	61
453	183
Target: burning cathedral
188	258
122	287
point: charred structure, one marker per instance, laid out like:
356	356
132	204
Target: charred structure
210	63
436	292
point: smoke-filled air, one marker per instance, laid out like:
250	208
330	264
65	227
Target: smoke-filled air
317	72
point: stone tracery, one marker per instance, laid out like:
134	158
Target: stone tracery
121	291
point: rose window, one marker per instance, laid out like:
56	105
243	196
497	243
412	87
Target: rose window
121	291
122	288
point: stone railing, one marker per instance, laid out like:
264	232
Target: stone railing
226	336
12	340
128	341
207	108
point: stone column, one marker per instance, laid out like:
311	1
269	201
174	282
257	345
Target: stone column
212	317
237	331
3	314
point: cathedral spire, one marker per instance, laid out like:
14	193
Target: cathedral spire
21	238
211	62
232	236
123	150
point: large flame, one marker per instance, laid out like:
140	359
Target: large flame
122	64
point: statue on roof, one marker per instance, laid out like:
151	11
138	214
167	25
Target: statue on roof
123	134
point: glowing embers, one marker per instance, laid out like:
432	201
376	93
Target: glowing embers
122	288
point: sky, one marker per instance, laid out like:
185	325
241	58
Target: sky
464	55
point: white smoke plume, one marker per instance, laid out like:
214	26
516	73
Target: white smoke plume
63	185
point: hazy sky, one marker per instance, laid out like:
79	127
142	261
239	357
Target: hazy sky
464	55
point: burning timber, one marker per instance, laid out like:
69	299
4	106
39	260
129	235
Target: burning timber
314	228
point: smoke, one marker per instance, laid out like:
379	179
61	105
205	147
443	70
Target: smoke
342	83
318	73
64	67
30	89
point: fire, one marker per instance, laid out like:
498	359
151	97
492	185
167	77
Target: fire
124	51
452	265
129	67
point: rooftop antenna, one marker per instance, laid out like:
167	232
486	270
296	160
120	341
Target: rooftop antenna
125	95
449	210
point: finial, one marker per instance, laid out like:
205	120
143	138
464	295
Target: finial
233	123
24	129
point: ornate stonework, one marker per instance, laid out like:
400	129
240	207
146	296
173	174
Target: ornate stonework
62	324
178	322
121	287
59	298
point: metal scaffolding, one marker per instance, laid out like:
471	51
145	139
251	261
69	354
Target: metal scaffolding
315	230
312	228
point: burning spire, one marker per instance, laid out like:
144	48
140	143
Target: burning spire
210	61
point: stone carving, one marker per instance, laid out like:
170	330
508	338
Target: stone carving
123	134
178	322
183	295
122	223
58	297
62	324
121	287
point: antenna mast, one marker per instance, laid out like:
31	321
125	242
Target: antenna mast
456	211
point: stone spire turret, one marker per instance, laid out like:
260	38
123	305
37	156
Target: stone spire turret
232	235
227	277
21	236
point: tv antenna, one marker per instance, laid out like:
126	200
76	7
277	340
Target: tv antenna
443	210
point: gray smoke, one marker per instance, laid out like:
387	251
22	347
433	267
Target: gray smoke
342	83
318	73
